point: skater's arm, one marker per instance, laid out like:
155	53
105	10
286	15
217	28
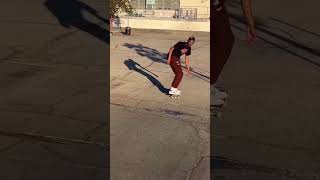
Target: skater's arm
188	63
247	10
169	56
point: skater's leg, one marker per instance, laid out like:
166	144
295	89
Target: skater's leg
176	67
178	77
223	41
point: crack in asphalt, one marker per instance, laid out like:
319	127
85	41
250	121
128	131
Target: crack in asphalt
11	146
51	139
70	160
174	115
221	163
152	101
88	135
167	111
256	141
52	115
16	50
74	94
42	53
192	123
52	107
190	172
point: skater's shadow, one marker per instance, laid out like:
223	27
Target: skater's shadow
70	13
152	54
132	65
158	57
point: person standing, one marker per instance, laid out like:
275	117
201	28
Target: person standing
223	41
111	21
173	59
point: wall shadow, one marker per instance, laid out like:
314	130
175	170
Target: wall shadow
70	14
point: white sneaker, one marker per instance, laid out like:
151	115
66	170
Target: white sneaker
172	92
177	91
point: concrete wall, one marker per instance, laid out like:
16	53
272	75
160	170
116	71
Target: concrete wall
161	13
194	3
166	24
162	19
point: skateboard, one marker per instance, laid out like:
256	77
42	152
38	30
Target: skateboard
174	96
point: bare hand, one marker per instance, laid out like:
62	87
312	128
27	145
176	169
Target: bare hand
188	72
251	35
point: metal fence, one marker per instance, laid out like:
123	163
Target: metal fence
186	13
178	14
168	9
156	4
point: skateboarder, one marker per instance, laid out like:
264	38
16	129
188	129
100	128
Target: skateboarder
223	41
175	52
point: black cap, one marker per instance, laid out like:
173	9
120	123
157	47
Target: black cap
192	38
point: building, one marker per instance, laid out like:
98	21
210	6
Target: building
190	15
192	9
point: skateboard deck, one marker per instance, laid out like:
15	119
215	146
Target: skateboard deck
174	96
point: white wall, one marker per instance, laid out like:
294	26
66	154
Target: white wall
203	6
166	24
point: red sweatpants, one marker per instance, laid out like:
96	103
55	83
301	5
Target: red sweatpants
176	67
222	44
